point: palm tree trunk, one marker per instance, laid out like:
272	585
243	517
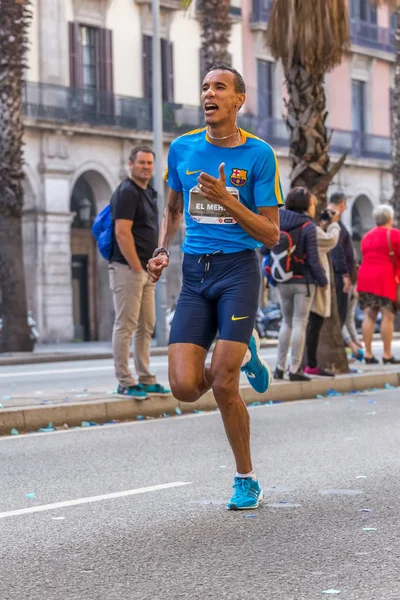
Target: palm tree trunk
309	154
306	118
14	18
396	126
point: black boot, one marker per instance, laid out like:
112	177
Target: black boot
299	376
278	373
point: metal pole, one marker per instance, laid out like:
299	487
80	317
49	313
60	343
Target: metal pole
161	287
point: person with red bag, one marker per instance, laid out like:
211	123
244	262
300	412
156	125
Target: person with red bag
378	282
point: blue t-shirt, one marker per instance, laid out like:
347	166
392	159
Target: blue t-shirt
252	174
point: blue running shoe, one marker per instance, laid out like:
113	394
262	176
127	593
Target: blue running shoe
133	391
247	495
155	388
257	371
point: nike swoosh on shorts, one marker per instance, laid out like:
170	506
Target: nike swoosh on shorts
238	318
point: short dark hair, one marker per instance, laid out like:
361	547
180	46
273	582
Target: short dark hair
298	199
240	86
337	198
135	151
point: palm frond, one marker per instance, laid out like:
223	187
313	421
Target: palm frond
315	33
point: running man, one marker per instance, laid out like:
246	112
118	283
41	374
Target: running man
226	183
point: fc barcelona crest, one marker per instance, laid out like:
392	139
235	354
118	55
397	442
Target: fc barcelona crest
238	177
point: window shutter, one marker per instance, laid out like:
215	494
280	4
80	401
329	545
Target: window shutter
167	66
105	61
202	65
147	65
75	56
265	88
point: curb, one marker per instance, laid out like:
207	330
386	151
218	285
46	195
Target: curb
102	411
32	359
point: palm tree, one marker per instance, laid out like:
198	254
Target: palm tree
14	20
215	26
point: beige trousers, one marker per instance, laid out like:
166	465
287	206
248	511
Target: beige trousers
134	306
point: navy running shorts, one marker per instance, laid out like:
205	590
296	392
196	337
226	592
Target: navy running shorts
220	293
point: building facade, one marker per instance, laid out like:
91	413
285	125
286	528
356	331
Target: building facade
87	101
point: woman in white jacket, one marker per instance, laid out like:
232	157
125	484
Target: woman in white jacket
328	233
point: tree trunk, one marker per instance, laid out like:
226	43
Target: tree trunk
306	117
309	155
215	25
396	127
14	18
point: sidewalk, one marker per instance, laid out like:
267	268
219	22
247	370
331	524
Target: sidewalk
30	412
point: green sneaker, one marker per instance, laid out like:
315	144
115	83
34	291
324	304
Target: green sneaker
155	388
133	391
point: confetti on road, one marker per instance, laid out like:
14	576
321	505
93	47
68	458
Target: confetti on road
198	412
165	415
222	466
31	495
46	429
320	396
365	510
178	410
57	518
255	404
139	417
369	528
14	431
371	414
66	399
85	424
332	592
333	392
371	401
250	516
362	477
388	386
46	402
349	439
6	397
1	406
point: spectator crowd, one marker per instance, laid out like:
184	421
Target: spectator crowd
314	262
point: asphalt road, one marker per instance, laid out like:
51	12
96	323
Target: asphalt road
330	470
94	374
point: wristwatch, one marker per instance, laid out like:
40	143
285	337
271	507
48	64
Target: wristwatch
158	251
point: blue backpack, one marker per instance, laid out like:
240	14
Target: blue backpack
102	230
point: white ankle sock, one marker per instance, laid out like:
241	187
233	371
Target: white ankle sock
247	475
247	357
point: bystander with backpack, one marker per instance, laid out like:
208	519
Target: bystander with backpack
127	233
328	232
296	269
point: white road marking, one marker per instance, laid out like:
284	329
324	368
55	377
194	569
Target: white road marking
44	507
12	374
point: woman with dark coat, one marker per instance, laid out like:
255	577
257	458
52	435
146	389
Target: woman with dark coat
377	281
297	293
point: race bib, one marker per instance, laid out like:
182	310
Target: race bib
204	211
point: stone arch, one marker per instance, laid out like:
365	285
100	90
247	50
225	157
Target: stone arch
91	191
361	219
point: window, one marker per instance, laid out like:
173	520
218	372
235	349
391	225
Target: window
364	11
265	88
358	106
91	70
90	79
167	69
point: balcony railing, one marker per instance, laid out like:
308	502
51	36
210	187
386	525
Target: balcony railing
69	105
260	11
371	35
